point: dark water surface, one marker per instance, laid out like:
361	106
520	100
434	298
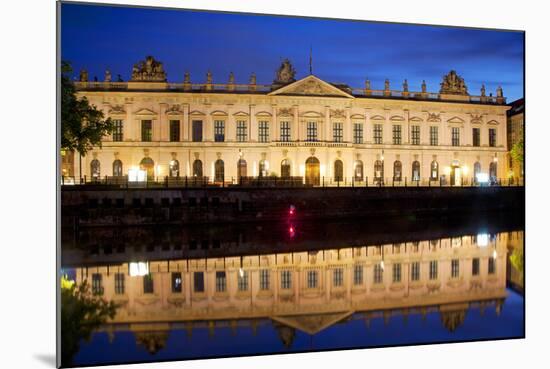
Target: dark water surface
278	288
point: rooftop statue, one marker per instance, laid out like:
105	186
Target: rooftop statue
285	73
83	77
148	70
453	84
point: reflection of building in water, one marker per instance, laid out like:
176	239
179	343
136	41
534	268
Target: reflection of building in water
306	291
515	261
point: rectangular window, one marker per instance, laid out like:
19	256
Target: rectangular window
377	134
148	286
312	279
264	279
491	266
97	284
174	130
415	135
475	266
241	131
285	131
263	131
476	141
197	130
177	282
311	131
357	133
338	277
455	136
378	273
396	134
198	282
396	273
221	281
119	283
118	130
337	132
286	279
242	281
492	137
433	269
146	130
415	271
358	274
434	136
455	270
219	131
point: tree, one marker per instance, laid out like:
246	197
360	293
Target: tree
82	125
81	313
517	151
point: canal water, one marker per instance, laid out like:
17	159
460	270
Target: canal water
227	290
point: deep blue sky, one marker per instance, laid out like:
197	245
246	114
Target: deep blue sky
100	37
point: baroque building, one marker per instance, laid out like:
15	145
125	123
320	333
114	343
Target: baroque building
515	126
307	127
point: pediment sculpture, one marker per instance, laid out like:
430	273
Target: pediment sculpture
453	84
174	109
338	113
117	109
434	117
148	70
285	73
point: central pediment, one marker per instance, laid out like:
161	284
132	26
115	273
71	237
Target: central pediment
312	324
311	86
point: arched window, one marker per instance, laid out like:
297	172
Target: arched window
218	171
148	165
358	171
378	170
262	168
241	168
434	170
477	169
174	168
416	170
117	168
397	170
312	171
197	168
493	171
95	169
338	171
285	168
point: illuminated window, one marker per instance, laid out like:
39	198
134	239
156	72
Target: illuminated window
358	275
396	134
416	171
286	279
174	130
434	170
177	282
198	282
415	271
455	268
221	281
475	266
219	171
197	168
117	168
97	284
377	134
241	131
312	279
263	131
358	170
285	168
337	132
118	134
264	279
338	277
311	131
242	281
434	136
148	286
174	168
262	168
433	269
455	136
378	170
338	171
397	168
357	133
415	135
396	273
285	131
146	130
95	169
119	283
219	131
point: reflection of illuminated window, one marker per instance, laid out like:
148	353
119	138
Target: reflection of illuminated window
433	269
119	283
286	279
475	266
455	271
177	282
148	284
396	275
97	287
312	279
415	271
358	274
378	273
338	277
198	282
264	279
491	266
220	282
242	281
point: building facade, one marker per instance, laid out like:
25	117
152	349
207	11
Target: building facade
515	126
305	128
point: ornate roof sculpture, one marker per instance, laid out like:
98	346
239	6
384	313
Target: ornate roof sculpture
453	84
148	70
285	73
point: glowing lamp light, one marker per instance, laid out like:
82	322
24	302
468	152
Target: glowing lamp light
495	254
382	264
291	210
137	175
291	231
482	239
241	272
482	177
139	269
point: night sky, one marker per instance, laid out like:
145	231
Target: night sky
101	37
